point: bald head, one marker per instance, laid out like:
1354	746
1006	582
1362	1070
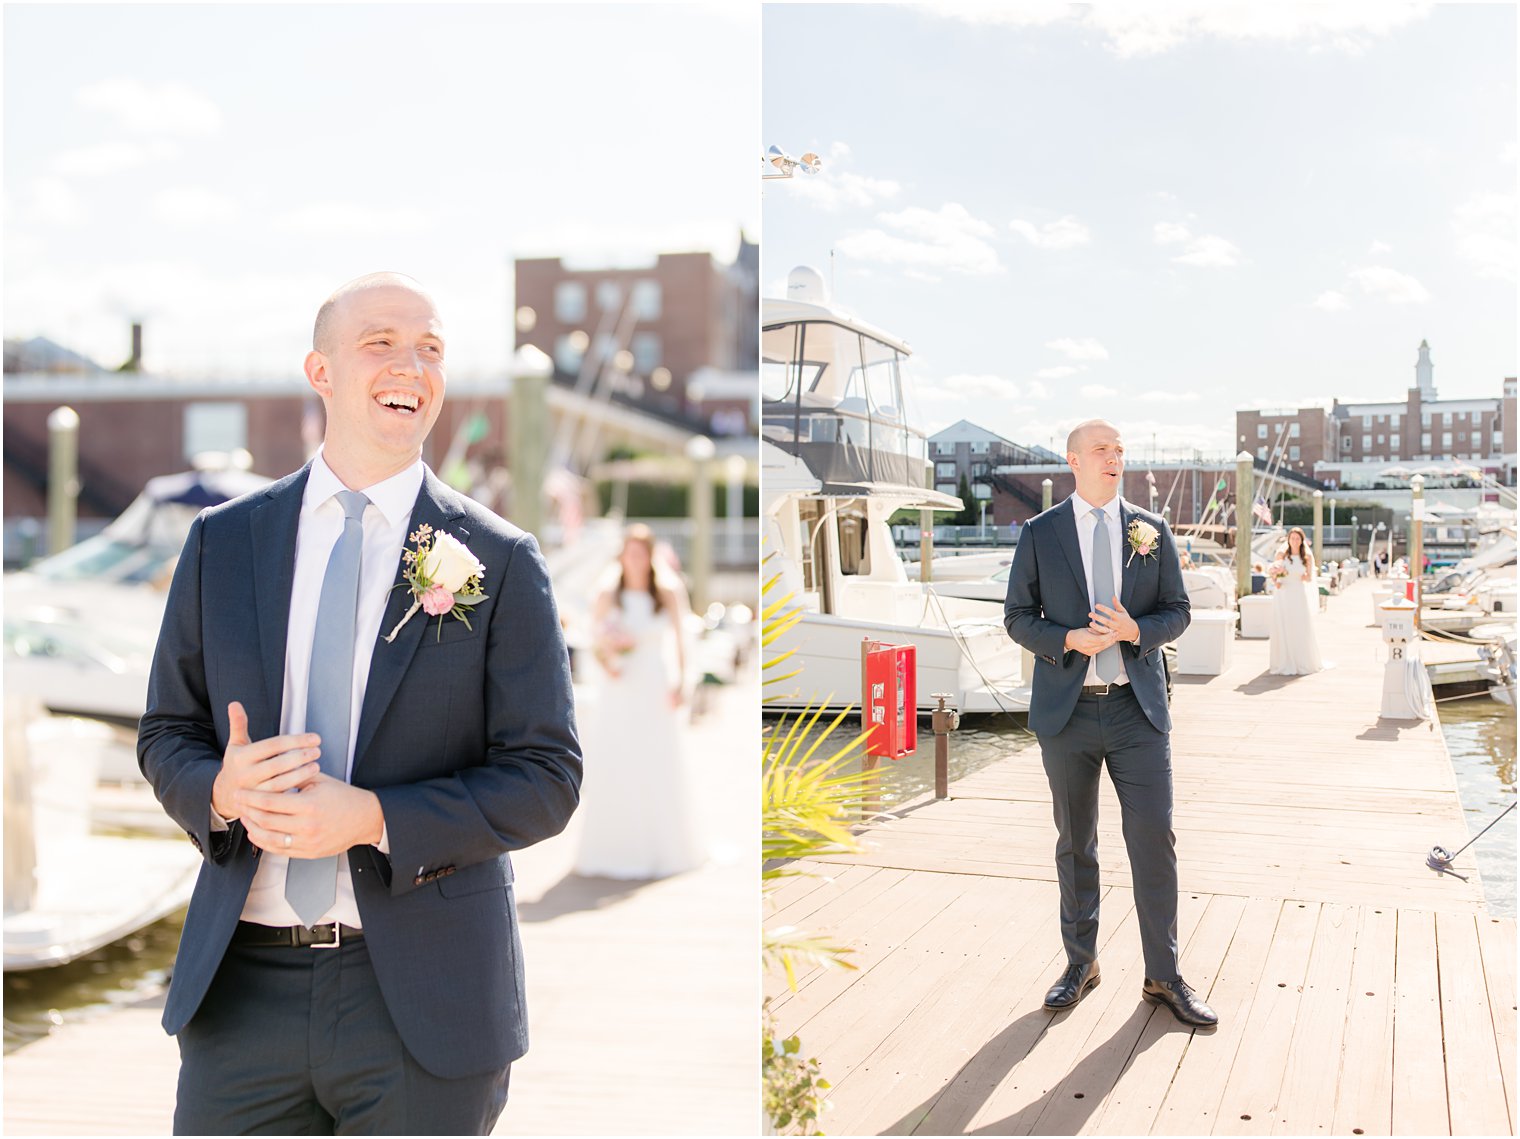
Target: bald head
327	315
1078	433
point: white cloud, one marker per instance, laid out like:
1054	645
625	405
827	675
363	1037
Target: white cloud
1167	397
109	158
152	108
1390	285
1085	349
350	217
949	239
193	206
1063	233
1057	372
1132	30
1331	301
1036	390
1485	229
1209	252
836	187
1378	247
52	201
979	387
1507	153
1170	232
1097	391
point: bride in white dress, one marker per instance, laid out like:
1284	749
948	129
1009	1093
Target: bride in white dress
1294	649
637	817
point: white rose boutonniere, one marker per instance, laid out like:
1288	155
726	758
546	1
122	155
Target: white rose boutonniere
1142	539
443	576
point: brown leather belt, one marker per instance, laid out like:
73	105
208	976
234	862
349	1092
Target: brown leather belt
294	936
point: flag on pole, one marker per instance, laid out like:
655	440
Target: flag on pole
1261	510
1150	478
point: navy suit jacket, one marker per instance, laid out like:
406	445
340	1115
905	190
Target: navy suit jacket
467	736
1047	595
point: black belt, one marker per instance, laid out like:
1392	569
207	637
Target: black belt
1111	689
294	936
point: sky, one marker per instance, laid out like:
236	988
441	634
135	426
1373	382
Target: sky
218	170
1153	213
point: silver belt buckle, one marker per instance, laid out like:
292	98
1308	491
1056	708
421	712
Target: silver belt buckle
1107	688
335	942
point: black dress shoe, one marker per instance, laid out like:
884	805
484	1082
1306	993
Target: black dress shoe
1073	986
1186	1005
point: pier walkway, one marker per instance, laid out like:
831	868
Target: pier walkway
641	996
1358	991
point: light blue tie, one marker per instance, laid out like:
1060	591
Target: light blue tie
311	884
1103	590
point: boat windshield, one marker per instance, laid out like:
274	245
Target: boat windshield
833	397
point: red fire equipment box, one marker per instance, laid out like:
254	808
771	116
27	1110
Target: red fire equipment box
890	700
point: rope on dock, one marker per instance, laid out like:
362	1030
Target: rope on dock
1440	860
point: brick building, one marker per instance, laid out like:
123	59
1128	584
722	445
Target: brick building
641	335
964	450
1420	428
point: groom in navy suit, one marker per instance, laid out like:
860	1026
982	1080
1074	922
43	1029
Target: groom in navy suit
350	963
1094	592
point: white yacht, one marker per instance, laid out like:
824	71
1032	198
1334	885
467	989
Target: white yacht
838	457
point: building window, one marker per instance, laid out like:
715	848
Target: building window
1446	439
569	302
945	488
1261	431
1345	443
978	470
1366	421
1445	419
1393	442
1292	431
944	448
215	427
646	352
567	357
1498	439
981	490
1461	436
1261	453
646	300
1380	440
1293	452
1425	440
1366	443
1393	420
944	470
609	295
979	448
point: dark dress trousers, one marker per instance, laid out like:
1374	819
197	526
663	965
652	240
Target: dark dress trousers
1127	729
466	735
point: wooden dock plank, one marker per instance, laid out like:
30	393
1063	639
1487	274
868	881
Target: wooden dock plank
1364	1099
1474	1082
1496	939
1419	1083
1252	1093
1314	1074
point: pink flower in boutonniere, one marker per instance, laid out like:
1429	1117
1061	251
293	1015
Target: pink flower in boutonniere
443	576
437	601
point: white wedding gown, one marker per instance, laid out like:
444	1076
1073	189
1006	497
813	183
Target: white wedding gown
1294	649
637	815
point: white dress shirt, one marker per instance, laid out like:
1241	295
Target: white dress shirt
321	524
1086	525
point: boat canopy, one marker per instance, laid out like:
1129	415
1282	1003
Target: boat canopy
832	396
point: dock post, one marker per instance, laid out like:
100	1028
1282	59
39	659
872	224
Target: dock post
925	545
1417	544
945	720
20	834
528	413
63	477
700	451
870	801
1045	491
1245	498
1319	527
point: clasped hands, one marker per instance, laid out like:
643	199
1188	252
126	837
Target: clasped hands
287	805
1107	626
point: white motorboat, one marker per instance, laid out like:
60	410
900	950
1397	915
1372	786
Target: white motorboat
838	458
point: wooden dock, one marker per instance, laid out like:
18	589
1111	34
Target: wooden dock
641	996
1358	991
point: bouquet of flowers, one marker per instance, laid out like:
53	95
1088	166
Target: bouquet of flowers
612	642
1277	573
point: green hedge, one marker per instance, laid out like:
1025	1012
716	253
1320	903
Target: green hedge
668	500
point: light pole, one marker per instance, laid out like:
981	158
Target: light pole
700	450
1319	527
1353	535
1332	519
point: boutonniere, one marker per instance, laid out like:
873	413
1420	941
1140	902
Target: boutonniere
1142	539
443	576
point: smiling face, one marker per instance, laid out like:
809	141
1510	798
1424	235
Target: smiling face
1095	454
378	366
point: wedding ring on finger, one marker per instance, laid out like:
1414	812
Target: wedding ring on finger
287	841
